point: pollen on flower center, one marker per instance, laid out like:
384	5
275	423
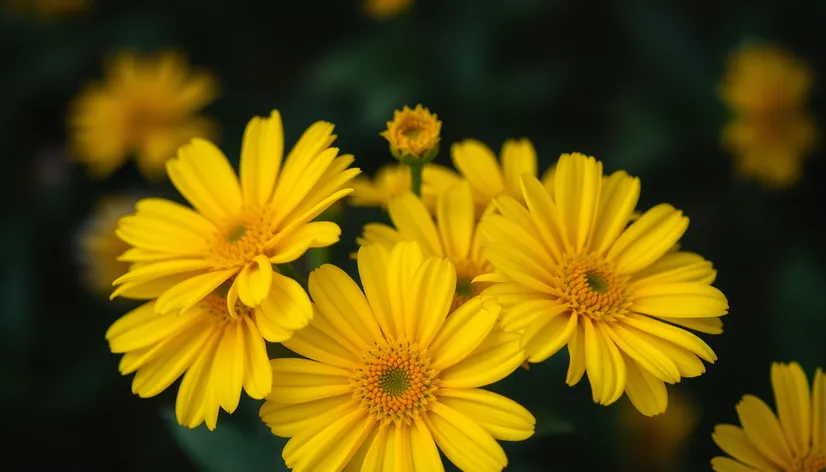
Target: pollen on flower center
395	382
239	241
813	462
413	132
216	304
592	289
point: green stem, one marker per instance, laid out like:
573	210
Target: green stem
416	169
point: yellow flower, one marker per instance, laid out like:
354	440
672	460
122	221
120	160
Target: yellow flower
453	235
390	376
478	164
146	107
394	180
235	231
572	271
794	442
771	133
99	245
413	134
383	9
219	353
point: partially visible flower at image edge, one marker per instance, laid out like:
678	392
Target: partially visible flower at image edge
385	9
146	106
771	132
393	180
794	440
571	271
389	376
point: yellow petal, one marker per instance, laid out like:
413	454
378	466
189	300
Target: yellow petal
372	264
577	192
764	431
301	380
457	222
156	270
679	300
496	358
378	233
330	449
463	332
614	374
646	392
536	313
463	441
733	441
142	327
634	344
191	291
413	221
311	235
518	159
287	420
403	263
431	295
262	150
423	448
167	210
703	325
517	254
257	380
792	397
548	334
648	238
254	281
477	163
161	236
287	306
320	341
576	355
819	410
500	416
676	267
545	215
618	198
673	334
150	289
228	367
724	464
196	399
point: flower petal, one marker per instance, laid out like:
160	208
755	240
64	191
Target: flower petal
191	291
577	195
294	244
477	163
646	392
548	334
330	449
500	416
496	358
455	214
518	159
423	448
287	420
257	380
302	380
679	300
413	221
576	356
262	151
372	265
320	341
228	366
431	293
724	464
617	200
819	410
287	306
463	332
793	401
733	441
142	327
463	441
254	281
196	400
764	431
648	238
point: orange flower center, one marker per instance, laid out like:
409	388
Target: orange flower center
216	304
815	461
591	288
239	241
413	132
395	382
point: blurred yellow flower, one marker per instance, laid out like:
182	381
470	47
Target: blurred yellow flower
571	270
394	180
238	230
389	376
413	134
654	444
146	107
48	9
383	9
771	133
792	441
478	164
100	247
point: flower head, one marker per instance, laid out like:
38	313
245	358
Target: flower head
488	178
393	180
413	134
771	133
99	246
218	353
389	376
384	9
146	107
794	440
570	270
237	230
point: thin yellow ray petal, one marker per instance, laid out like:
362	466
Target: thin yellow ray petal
648	238
619	196
205	167
287	420
195	397
576	355
548	334
724	464
617	371
463	441
301	380
764	431
435	284
646	392
413	221
257	380
577	192
457	221
322	342
463	332
496	358
286	308
425	454
733	441
290	246
500	416
477	163
793	400
262	151
228	367
673	334
819	410
545	216
254	281
679	300
403	263
191	291
332	448
518	159
372	266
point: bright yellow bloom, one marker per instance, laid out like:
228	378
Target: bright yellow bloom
220	353
572	271
390	376
792	441
453	235
146	107
383	9
99	245
48	9
236	231
771	133
413	134
394	180
478	164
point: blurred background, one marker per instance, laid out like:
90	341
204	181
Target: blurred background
635	84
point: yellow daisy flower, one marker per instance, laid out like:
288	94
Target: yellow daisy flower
383	9
390	376
100	247
394	180
478	164
146	107
454	234
413	134
792	441
218	353
570	270
771	133
237	230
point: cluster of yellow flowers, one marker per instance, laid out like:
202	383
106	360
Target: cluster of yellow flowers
483	269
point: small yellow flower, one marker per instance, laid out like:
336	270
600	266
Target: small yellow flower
147	107
572	269
794	440
100	247
389	376
771	133
239	228
393	180
413	134
478	164
383	9
49	9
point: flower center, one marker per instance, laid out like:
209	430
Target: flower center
592	289
815	461
240	240
395	382
216	304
